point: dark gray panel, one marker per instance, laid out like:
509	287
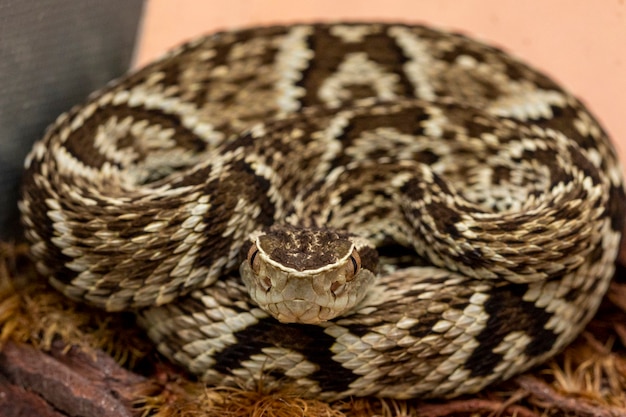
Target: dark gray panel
53	53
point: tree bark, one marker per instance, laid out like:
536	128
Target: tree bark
63	383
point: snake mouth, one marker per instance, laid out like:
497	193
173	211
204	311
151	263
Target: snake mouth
300	311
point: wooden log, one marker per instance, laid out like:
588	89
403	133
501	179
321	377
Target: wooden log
76	383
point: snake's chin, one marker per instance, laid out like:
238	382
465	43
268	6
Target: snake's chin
300	311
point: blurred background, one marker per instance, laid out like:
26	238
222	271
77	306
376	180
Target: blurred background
54	52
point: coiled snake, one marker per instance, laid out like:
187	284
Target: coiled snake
493	197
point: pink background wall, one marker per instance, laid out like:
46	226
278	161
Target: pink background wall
581	43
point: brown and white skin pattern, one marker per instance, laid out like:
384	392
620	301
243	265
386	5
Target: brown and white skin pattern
493	196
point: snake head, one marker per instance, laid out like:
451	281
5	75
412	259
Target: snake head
307	275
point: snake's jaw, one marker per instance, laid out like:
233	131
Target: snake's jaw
306	275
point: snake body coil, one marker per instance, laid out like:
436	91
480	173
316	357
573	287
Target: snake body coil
493	196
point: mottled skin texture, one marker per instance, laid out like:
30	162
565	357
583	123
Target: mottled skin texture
493	196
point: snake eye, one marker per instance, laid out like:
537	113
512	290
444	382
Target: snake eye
255	263
354	266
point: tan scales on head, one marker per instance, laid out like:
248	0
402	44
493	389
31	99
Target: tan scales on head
307	275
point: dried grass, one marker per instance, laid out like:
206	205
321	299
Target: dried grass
587	379
31	311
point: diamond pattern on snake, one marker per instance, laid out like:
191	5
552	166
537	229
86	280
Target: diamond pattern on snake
341	209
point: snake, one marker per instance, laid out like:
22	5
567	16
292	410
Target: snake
338	209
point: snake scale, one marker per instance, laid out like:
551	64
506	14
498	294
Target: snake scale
454	214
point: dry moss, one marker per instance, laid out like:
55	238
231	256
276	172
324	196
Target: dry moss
32	312
587	379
